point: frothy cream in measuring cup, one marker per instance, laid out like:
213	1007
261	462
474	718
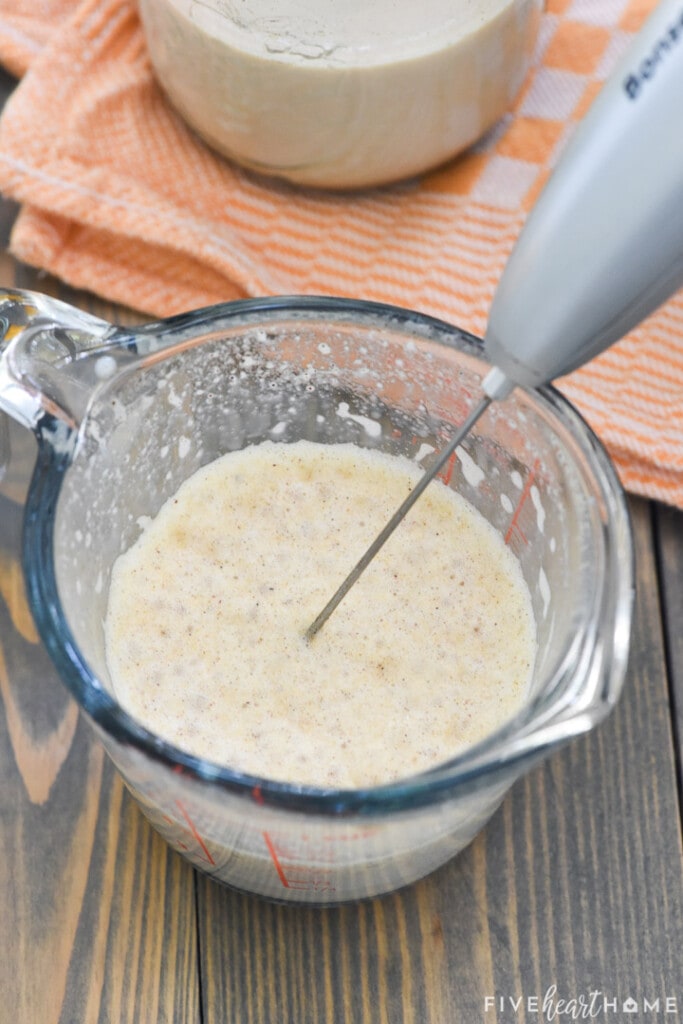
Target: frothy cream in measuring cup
345	94
431	650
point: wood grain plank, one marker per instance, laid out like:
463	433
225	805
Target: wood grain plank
98	916
669	525
576	883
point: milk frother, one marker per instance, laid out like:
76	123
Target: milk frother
601	249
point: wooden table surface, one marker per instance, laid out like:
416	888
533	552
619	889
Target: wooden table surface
573	892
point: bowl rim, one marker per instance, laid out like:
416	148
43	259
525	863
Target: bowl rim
526	737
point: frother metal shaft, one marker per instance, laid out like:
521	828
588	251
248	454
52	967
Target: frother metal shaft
602	248
398	516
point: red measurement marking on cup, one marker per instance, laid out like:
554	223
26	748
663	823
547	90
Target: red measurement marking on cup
174	824
303	878
275	859
311	880
351	837
514	529
195	834
447	472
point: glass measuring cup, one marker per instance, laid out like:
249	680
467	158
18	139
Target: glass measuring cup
341	95
123	416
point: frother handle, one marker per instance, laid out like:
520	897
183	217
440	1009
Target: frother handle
603	246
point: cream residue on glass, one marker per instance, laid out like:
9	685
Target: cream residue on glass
430	651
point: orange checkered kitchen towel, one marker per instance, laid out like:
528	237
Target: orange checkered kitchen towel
119	197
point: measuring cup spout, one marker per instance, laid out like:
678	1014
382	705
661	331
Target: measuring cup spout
43	343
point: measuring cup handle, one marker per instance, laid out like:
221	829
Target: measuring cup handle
42	341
